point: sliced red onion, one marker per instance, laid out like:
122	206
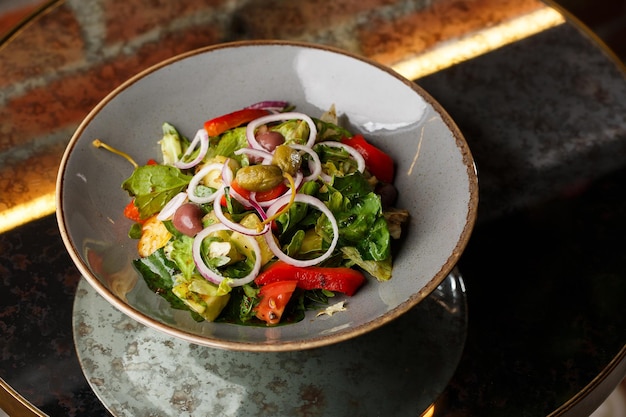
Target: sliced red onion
191	189
170	208
356	155
250	129
270	105
318	204
258	209
203	138
315	166
212	275
247	203
353	153
237	227
235	194
258	153
227	174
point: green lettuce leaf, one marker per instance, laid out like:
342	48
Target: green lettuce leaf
158	272
229	142
181	254
294	131
381	270
359	215
153	186
330	131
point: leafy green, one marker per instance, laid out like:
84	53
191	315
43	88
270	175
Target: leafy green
181	254
381	270
240	308
352	186
229	142
293	248
153	186
294	131
135	231
359	215
158	272
336	162
376	244
330	131
299	216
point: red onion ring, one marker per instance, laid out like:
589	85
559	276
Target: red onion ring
191	188
258	153
201	137
231	225
213	276
270	105
170	208
250	129
318	204
227	174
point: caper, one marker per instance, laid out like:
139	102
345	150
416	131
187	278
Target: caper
287	158
259	177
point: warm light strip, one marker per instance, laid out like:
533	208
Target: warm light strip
430	411
441	57
26	212
478	43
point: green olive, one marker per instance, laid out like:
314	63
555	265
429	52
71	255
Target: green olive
259	177
288	159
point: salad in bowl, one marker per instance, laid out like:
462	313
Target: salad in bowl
283	196
265	213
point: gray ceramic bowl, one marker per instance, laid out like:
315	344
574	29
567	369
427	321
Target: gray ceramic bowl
435	176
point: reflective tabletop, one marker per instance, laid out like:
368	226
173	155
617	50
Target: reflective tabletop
540	100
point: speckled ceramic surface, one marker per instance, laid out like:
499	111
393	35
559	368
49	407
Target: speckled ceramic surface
435	177
398	370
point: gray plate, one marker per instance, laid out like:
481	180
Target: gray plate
397	370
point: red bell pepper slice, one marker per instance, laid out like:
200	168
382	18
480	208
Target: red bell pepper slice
221	124
344	280
273	300
260	196
377	161
131	211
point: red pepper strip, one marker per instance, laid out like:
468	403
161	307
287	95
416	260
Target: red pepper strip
131	211
261	196
345	280
274	299
221	124
152	162
377	161
268	195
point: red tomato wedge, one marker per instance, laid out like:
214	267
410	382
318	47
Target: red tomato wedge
344	280
221	124
274	299
377	161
